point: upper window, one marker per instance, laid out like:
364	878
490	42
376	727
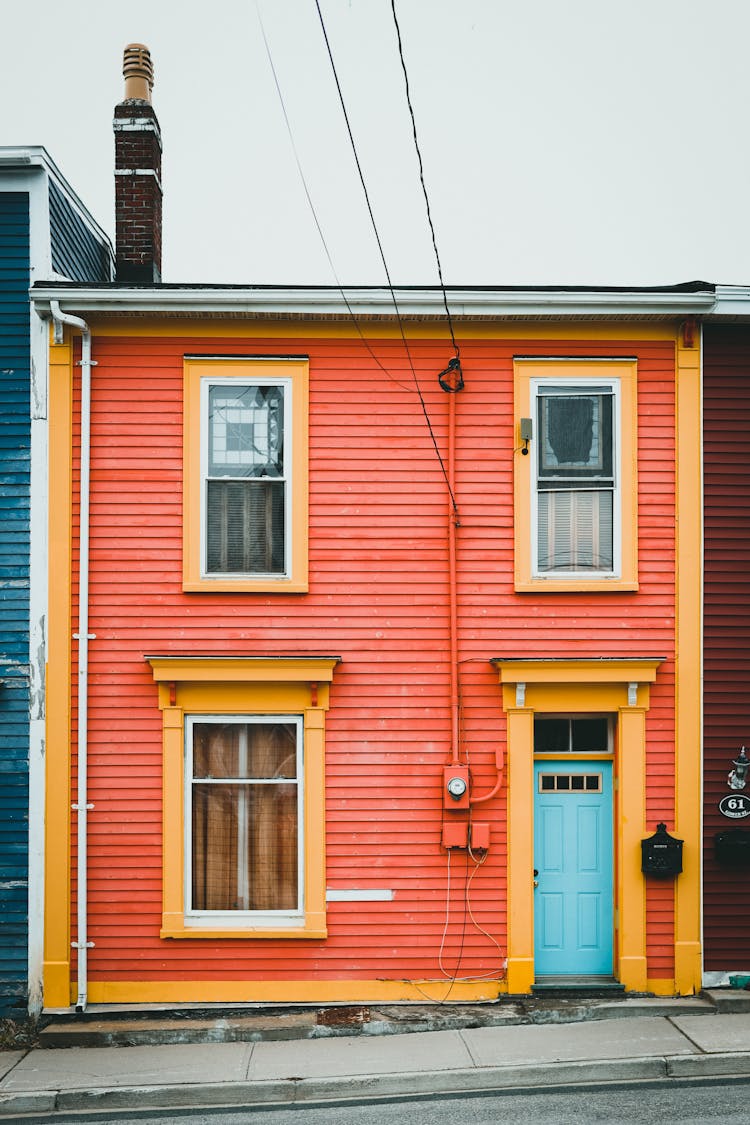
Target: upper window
245	474
245	489
576	498
575	481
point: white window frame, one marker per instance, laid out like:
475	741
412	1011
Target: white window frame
563	382
285	383
241	919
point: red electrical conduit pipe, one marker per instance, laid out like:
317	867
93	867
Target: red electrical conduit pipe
452	581
453	525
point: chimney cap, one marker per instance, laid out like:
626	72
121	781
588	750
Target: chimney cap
138	72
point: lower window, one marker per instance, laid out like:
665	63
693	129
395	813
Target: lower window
243	813
244	818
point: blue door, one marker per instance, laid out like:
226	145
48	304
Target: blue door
573	857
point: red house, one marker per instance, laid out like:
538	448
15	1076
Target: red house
386	655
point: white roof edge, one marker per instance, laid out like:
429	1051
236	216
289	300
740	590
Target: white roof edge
21	158
732	302
375	302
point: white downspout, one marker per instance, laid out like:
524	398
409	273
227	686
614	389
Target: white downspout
83	636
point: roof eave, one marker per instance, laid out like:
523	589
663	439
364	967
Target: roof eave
466	303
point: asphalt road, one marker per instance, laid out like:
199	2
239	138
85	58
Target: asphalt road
663	1103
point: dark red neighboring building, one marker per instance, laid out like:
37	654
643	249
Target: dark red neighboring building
726	601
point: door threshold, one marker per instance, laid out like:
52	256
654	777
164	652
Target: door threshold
574	987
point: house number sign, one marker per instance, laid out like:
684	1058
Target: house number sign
735	806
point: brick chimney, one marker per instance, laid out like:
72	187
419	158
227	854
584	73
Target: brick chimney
137	174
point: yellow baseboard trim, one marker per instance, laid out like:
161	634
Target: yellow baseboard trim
57	986
687	967
661	987
520	975
632	973
307	992
288	992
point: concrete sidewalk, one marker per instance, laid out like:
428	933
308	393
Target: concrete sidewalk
43	1081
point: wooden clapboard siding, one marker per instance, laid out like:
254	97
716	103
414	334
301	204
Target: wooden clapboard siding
77	250
15	450
726	432
378	597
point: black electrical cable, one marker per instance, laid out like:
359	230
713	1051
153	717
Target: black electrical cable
314	213
383	258
426	200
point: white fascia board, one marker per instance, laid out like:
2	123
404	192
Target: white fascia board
29	174
474	304
732	303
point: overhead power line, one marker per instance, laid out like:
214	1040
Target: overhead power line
385	265
313	211
426	197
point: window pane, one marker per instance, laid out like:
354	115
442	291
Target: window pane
244	750
245	527
575	530
244	847
590	736
551	736
245	431
576	435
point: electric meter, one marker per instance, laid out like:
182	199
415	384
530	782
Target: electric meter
456	787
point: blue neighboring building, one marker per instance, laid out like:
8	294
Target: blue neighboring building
45	233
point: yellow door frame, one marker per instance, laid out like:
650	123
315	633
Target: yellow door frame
616	687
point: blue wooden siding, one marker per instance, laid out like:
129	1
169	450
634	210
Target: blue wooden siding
76	252
14	599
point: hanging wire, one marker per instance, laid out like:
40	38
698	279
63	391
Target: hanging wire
452	378
383	259
314	213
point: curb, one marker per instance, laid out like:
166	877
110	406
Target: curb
366	1087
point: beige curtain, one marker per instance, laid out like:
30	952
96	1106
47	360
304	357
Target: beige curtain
244	836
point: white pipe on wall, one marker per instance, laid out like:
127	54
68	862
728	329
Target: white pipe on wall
81	807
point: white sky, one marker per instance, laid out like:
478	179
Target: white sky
586	142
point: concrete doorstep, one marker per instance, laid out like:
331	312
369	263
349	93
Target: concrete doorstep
640	1048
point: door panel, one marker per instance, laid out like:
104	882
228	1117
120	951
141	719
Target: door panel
573	843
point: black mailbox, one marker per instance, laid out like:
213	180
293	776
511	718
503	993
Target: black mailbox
661	854
732	848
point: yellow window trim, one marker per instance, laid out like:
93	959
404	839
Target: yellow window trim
524	370
296	450
622	688
243	685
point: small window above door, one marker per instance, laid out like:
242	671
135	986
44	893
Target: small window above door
573	734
